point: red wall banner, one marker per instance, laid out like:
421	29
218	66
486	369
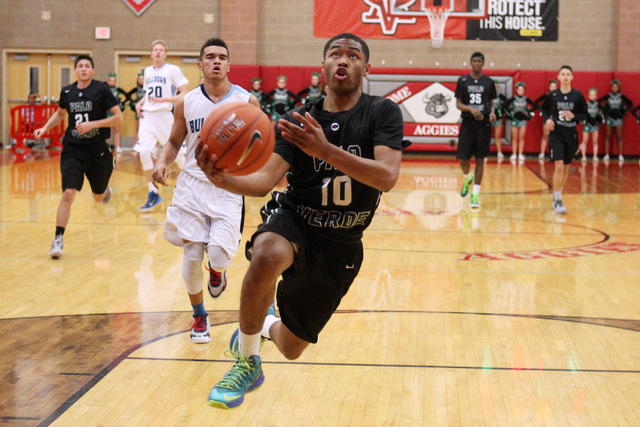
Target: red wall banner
373	19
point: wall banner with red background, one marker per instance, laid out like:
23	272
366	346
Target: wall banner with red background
506	20
372	19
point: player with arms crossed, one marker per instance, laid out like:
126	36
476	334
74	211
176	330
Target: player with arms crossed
475	93
339	154
202	214
87	102
563	109
160	81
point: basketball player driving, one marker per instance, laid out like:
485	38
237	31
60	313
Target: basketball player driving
339	154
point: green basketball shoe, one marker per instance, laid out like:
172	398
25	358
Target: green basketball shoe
466	186
246	375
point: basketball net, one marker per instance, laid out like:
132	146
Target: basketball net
437	21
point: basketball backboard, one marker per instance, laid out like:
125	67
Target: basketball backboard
470	9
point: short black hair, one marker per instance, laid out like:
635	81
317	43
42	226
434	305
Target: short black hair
81	57
214	41
363	44
565	67
477	55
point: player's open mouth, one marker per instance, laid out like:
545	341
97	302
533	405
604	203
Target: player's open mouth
341	73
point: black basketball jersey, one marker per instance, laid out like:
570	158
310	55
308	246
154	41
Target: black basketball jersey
86	105
557	101
476	93
330	202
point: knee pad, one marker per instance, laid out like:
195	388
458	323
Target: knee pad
218	258
192	267
145	159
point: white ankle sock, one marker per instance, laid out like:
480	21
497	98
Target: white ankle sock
249	345
268	321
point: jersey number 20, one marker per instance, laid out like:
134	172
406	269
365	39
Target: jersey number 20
155	92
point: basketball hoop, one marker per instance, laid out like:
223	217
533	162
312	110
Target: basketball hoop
437	21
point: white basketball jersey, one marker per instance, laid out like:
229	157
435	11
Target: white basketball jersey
162	82
197	106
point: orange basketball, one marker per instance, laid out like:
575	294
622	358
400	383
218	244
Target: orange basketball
241	135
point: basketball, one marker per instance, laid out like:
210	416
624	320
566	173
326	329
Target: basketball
241	135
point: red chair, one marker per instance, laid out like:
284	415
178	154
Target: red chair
25	119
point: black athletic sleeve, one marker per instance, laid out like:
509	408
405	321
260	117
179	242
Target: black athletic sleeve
461	91
507	103
581	111
628	103
110	101
389	124
63	102
294	98
268	97
546	108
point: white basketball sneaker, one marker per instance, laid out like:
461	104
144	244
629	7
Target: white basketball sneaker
56	247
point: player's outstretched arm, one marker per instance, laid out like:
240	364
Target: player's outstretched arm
257	184
170	150
53	121
380	173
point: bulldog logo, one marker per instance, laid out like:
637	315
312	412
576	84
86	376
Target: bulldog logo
436	104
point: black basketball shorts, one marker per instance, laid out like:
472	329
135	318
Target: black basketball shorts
474	139
563	144
322	272
93	160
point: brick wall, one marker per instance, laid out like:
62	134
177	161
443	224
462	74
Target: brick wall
628	36
239	29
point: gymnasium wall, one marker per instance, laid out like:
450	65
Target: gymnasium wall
280	34
628	35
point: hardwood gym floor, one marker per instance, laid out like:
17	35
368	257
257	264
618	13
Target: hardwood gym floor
507	316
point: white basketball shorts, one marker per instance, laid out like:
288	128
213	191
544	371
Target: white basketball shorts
202	212
154	127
